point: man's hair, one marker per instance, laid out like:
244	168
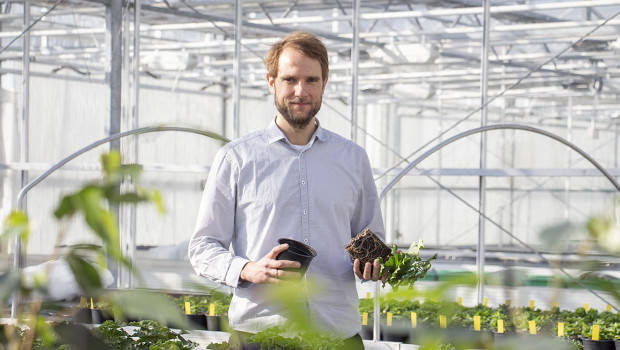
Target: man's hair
305	42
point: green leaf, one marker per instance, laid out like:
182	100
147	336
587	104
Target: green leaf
137	303
86	275
10	283
67	206
79	336
111	163
16	225
132	170
405	268
155	197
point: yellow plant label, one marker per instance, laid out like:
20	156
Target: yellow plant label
365	319
560	329
414	320
555	304
595	332
442	321
532	327
608	308
486	301
500	326
477	323
367	295
188	309
586	307
460	301
211	309
91	303
389	319
507	302
531	304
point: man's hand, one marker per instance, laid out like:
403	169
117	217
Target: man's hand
268	269
367	275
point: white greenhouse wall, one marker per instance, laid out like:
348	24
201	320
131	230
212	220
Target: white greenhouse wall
68	115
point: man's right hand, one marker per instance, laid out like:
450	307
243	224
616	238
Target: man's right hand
268	269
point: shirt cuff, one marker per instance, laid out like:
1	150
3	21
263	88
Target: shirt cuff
234	271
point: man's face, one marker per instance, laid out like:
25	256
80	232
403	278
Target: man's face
298	88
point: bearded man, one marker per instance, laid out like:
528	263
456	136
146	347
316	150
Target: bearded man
294	179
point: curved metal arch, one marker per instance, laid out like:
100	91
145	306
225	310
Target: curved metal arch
479	130
139	131
470	132
17	256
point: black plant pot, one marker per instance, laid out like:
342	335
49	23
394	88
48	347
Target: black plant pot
589	344
366	333
423	334
399	331
395	333
99	316
251	346
297	251
501	338
469	338
617	343
82	315
217	323
197	321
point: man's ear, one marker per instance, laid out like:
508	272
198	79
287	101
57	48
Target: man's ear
324	84
271	81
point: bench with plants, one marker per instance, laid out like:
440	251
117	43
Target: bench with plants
418	322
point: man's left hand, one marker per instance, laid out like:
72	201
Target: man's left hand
367	275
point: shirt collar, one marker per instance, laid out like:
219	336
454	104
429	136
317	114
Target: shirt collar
275	134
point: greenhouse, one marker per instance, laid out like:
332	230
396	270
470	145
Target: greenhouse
489	129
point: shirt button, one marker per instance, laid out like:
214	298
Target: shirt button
305	212
303	182
306	240
301	155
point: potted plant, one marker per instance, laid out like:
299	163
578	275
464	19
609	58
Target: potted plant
367	306
605	337
218	319
102	312
92	202
292	339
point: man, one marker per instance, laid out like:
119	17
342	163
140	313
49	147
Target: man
293	179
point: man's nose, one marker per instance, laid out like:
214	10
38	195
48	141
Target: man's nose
300	89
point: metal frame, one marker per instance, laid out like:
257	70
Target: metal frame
552	52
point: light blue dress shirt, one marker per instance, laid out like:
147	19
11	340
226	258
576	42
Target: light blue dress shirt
261	188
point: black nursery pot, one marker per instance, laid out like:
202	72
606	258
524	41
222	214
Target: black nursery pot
82	315
217	323
99	316
297	251
589	344
197	321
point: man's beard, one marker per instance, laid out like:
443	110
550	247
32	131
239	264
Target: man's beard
296	120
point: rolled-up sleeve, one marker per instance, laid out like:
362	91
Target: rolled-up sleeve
209	251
